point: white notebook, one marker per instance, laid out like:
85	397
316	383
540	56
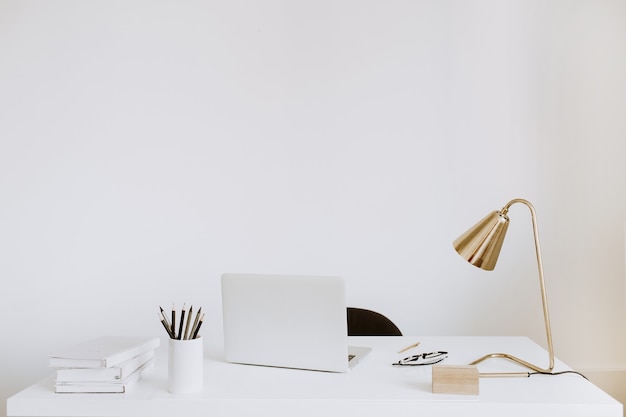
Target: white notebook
102	352
290	321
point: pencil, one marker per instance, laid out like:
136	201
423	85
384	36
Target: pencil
416	344
167	329
167	322
195	322
195	333
173	321
186	335
182	322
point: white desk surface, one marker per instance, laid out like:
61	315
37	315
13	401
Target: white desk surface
373	388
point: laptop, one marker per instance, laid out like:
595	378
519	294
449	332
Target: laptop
289	321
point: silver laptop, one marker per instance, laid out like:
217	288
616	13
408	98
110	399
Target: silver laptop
290	321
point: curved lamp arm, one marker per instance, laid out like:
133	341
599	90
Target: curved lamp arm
544	299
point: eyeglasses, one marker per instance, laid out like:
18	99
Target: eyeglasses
422	359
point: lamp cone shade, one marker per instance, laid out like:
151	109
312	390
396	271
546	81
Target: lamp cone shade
481	244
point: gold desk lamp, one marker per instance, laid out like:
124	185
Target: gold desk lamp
481	246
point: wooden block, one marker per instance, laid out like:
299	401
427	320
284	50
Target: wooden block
455	379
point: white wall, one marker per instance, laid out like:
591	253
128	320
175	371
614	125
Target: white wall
147	147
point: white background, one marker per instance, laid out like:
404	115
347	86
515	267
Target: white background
148	147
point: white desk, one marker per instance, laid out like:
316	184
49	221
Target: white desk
373	388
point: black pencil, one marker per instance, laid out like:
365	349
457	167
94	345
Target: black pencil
182	322
195	323
167	322
195	333
173	321
167	329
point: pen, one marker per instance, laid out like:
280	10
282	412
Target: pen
195	333
182	322
186	335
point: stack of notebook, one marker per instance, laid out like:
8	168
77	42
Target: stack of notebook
108	364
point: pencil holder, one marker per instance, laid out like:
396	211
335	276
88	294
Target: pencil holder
185	366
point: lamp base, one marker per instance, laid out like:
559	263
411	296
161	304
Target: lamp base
455	379
512	358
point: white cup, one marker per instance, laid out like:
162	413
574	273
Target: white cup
185	366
